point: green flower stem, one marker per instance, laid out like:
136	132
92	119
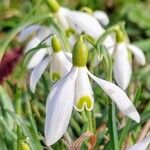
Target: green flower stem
113	126
111	107
90	122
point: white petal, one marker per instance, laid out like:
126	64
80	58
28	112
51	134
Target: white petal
32	44
102	17
37	73
60	65
61	16
141	145
68	56
28	31
44	32
119	97
81	21
72	40
122	67
83	92
138	53
59	107
37	58
109	42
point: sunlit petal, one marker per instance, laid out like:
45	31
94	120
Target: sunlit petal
141	145
32	44
109	42
37	58
82	22
28	31
68	56
37	73
102	17
119	97
60	66
138	53
83	91
122	67
59	107
61	16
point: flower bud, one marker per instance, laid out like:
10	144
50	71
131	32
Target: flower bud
80	53
56	44
24	146
53	5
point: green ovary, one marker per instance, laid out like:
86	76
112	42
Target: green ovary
84	101
55	76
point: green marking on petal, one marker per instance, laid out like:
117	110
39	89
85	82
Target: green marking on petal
87	10
55	76
84	101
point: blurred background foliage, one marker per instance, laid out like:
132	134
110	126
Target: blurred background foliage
22	113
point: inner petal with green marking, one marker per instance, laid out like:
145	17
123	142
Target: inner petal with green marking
56	76
84	102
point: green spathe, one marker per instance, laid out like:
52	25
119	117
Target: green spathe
56	44
80	54
53	5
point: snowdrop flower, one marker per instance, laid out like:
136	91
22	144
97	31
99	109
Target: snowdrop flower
40	33
59	64
81	22
101	16
74	90
122	66
142	145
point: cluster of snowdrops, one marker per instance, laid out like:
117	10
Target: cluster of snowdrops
68	65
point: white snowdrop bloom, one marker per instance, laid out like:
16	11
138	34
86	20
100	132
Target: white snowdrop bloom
74	90
122	66
41	32
59	64
101	16
142	145
82	22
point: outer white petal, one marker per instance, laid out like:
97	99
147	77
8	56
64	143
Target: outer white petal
122	67
25	33
83	89
81	21
59	107
60	64
141	145
138	53
109	42
37	73
68	56
102	17
37	58
32	44
119	97
61	16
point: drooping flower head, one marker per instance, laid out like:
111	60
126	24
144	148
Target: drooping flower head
74	90
122	60
81	21
59	64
